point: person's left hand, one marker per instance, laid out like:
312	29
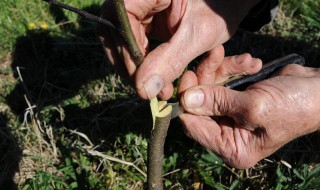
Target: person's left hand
252	124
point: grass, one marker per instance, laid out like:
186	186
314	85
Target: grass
68	122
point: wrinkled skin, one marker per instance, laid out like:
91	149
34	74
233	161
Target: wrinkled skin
256	122
252	124
188	29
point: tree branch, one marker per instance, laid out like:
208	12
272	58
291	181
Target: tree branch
127	33
82	13
125	27
161	114
156	153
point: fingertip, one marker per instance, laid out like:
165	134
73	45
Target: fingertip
243	59
206	70
150	88
188	79
239	64
166	93
256	65
212	100
159	69
193	98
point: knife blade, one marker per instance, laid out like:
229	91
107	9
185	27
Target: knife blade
242	82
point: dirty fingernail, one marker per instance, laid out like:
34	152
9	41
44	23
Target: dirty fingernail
194	98
153	86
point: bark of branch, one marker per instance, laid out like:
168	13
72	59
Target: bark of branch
127	33
156	153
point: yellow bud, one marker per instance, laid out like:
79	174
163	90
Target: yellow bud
31	26
44	26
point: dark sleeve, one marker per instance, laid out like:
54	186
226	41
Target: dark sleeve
260	15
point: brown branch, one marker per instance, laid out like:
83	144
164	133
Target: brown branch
82	13
125	27
127	33
161	114
156	153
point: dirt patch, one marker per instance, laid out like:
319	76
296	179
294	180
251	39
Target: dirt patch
6	60
7	80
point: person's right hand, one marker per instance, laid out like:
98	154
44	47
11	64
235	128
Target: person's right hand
188	28
256	122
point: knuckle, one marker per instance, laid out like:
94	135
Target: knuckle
220	101
316	72
176	67
290	69
246	57
255	110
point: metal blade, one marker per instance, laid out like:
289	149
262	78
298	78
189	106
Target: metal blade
177	109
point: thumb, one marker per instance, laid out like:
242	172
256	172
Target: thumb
167	62
160	68
214	101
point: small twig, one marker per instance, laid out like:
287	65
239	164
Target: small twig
99	154
93	152
24	86
82	135
172	172
82	13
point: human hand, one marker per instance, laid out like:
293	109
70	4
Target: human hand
189	28
256	122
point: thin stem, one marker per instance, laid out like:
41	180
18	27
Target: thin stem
82	13
125	29
127	33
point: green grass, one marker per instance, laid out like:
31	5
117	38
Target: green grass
298	20
70	123
18	16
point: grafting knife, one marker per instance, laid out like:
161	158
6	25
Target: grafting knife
240	83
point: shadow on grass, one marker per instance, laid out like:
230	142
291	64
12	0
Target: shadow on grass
11	154
55	68
269	48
